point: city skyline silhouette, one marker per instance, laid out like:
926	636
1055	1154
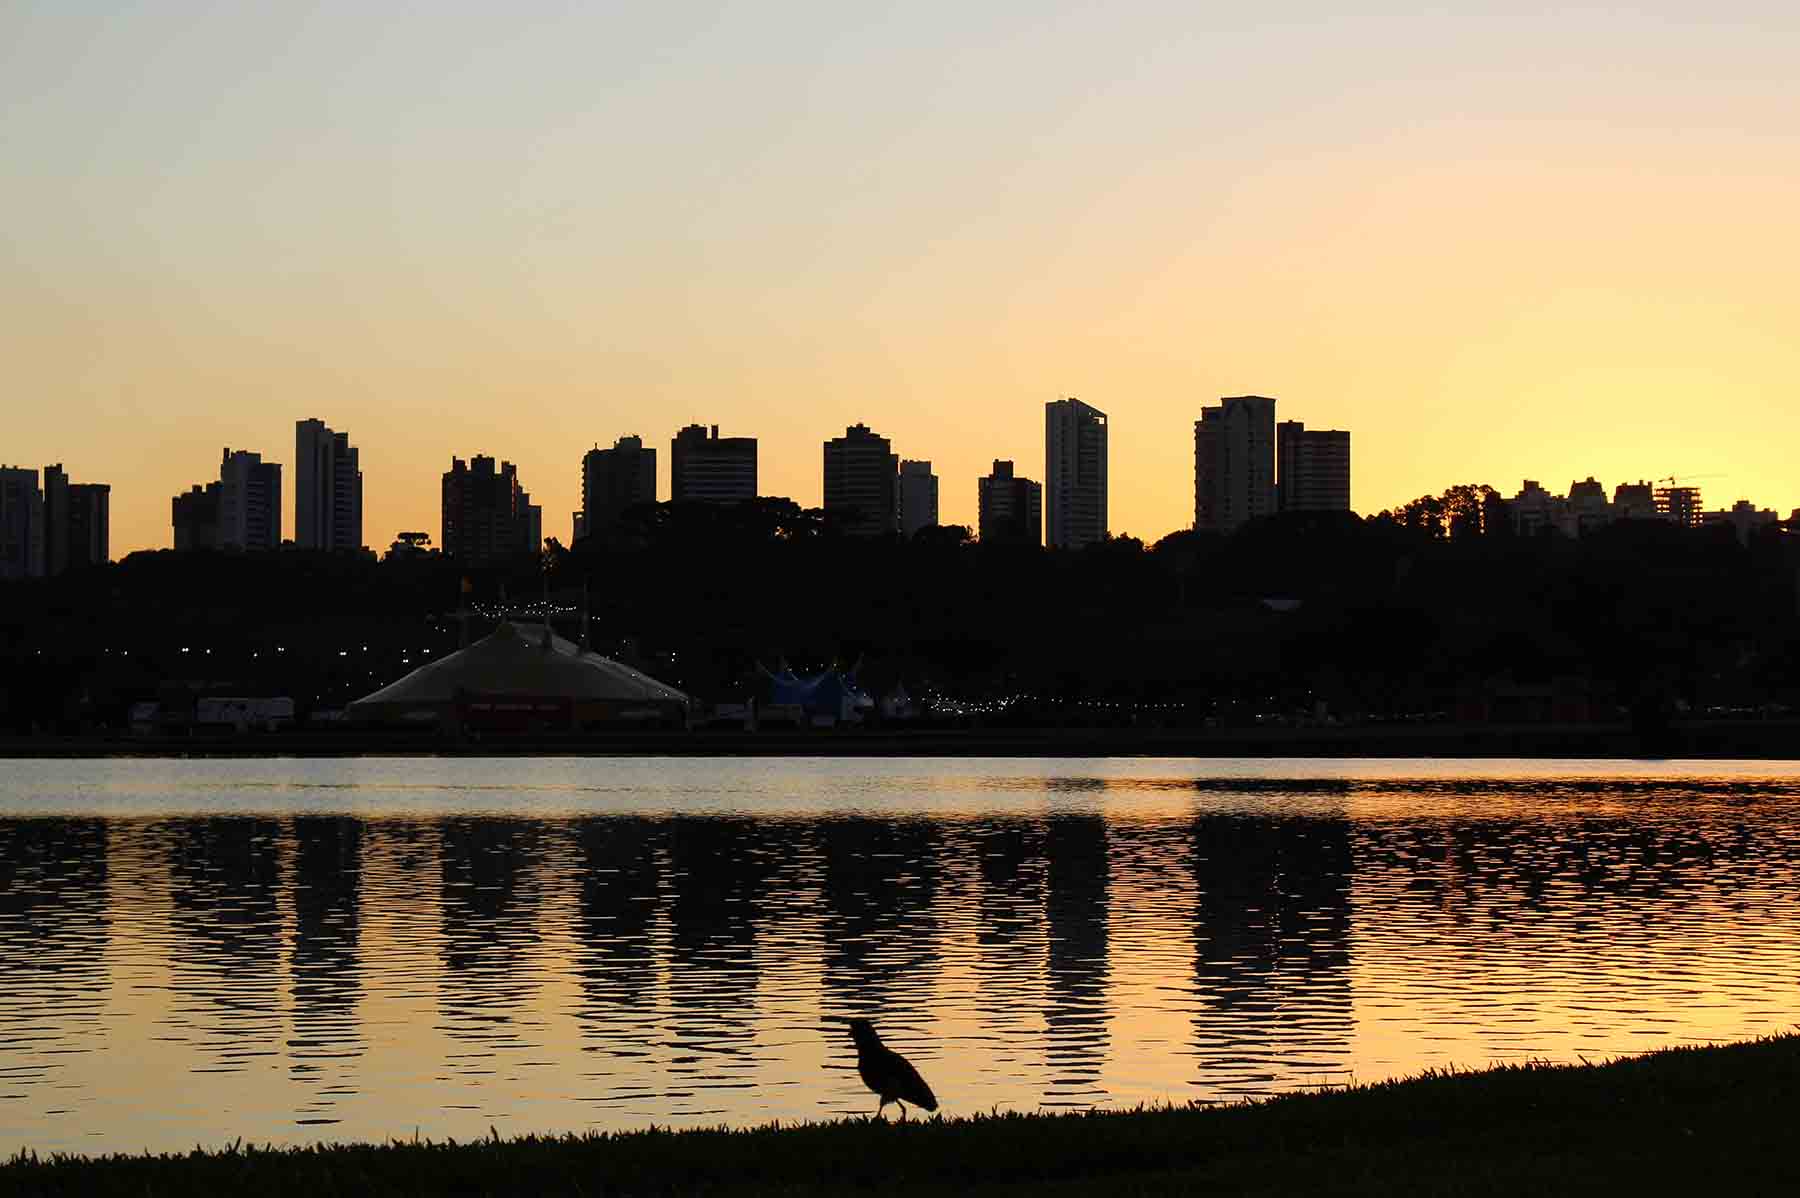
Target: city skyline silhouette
1306	481
1496	244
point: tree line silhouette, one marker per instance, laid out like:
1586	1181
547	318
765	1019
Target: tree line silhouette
1385	617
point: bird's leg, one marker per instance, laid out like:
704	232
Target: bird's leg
879	1107
902	1107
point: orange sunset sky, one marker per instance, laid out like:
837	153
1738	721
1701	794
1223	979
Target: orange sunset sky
1493	244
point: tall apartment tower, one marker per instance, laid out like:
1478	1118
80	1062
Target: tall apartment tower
90	524
77	522
487	517
531	523
21	524
615	480
249	501
861	475
1313	469
707	468
56	520
1011	510
328	490
916	497
1234	463
1074	474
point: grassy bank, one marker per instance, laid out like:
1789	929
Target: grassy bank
1684	1120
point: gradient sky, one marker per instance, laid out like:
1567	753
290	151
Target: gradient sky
1493	242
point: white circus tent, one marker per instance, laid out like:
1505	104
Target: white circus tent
522	676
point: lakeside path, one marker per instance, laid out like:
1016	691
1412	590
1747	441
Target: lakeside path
1687	1120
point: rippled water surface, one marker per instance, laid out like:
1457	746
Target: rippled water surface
288	951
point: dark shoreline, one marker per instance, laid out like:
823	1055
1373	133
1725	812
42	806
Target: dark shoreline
1771	740
1678	1121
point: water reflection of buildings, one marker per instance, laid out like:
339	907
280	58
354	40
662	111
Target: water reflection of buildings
623	969
224	886
488	929
54	930
617	906
881	926
1271	950
620	862
719	871
326	965
1075	914
1009	931
1006	975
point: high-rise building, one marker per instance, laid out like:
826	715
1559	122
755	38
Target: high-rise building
21	524
487	517
249	501
195	517
77	522
861	474
1011	510
707	468
916	497
328	488
90	524
1074	474
615	480
89	532
531	523
1234	462
1680	505
56	519
1313	468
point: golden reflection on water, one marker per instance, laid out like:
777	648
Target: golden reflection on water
289	951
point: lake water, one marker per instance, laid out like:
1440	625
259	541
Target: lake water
290	951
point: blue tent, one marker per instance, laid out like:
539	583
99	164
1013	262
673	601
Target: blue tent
831	692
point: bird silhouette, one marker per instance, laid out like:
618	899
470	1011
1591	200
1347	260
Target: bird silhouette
890	1075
